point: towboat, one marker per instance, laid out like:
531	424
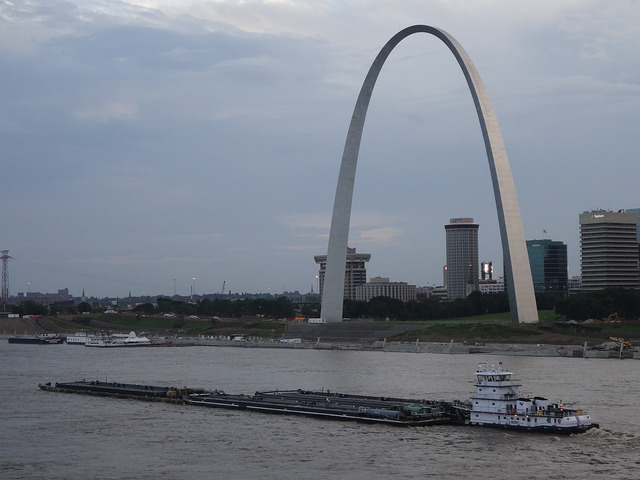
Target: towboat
498	403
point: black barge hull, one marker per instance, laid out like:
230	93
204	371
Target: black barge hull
37	340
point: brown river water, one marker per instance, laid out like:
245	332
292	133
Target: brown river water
63	436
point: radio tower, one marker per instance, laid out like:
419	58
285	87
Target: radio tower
5	278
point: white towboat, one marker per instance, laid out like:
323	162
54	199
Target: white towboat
498	403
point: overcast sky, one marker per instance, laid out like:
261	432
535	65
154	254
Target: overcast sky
150	141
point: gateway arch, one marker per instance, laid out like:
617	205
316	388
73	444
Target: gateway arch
516	260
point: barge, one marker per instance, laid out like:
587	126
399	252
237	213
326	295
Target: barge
497	403
323	404
42	339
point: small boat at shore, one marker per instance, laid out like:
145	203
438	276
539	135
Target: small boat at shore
498	403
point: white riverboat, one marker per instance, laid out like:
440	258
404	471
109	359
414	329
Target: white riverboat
498	403
116	340
78	338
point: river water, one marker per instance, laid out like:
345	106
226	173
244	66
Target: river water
51	435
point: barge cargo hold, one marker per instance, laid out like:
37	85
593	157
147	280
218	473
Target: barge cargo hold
340	406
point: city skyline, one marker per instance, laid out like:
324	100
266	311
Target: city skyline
150	144
557	259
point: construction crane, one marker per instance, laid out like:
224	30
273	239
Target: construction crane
5	278
621	342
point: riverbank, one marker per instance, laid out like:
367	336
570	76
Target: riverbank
451	348
457	336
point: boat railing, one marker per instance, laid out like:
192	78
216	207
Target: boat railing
462	405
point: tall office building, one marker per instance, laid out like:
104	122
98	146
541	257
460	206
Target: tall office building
355	272
548	260
609	250
462	257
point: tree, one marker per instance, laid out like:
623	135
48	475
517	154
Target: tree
546	301
311	310
581	307
383	307
355	308
29	307
146	308
166	305
84	307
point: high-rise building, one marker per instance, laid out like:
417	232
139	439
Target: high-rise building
486	271
462	257
549	267
609	250
355	272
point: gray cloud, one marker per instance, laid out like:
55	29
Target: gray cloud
143	144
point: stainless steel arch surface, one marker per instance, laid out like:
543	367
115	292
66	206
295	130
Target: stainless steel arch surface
516	260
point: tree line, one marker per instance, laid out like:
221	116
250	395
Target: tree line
610	303
431	308
618	303
280	307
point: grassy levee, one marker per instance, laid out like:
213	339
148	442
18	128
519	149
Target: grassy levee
495	328
169	326
499	329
